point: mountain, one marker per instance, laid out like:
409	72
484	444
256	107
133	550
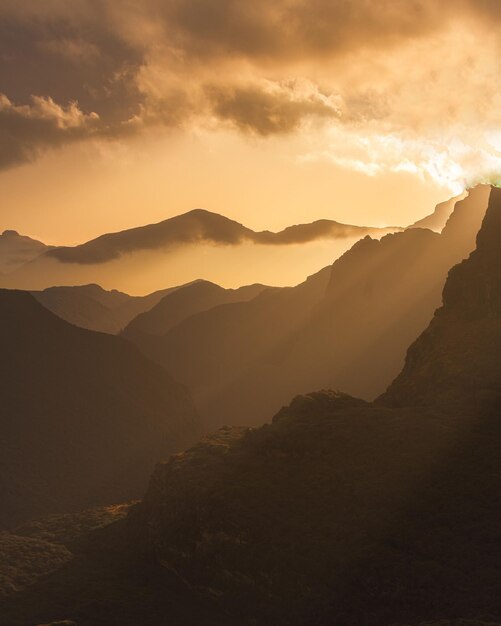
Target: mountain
465	334
177	305
94	308
242	361
16	250
208	349
340	512
197	226
83	415
343	512
437	220
186	247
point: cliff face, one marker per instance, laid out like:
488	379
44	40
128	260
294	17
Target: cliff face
83	415
345	512
455	362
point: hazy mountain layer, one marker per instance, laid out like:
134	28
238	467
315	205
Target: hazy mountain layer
92	307
198	226
348	326
211	348
16	250
183	302
83	415
197	244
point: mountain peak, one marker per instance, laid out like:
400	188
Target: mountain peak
473	289
489	236
455	362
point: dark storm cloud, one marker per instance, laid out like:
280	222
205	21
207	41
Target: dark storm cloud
25	130
167	61
267	112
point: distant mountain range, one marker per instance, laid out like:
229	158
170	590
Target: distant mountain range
26	264
199	226
94	308
348	326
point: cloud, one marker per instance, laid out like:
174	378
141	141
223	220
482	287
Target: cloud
270	108
26	129
417	70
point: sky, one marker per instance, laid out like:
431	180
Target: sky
115	114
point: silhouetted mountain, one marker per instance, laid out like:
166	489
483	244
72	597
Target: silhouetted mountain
348	327
197	226
456	362
92	307
16	250
209	349
83	415
381	295
133	258
438	219
180	304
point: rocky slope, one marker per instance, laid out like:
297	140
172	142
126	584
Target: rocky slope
83	415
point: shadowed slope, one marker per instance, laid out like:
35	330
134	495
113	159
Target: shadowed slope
83	415
185	301
209	349
94	308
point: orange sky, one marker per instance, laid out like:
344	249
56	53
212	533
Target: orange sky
80	192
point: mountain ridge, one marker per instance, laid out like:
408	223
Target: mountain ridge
83	413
